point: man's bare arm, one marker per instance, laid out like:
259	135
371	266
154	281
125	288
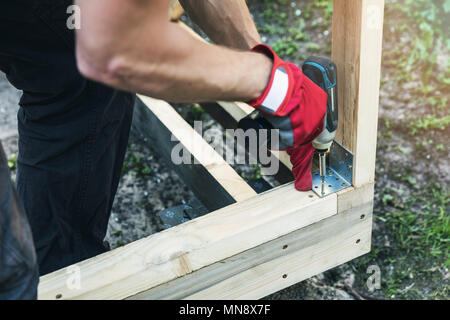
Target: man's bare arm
131	45
226	22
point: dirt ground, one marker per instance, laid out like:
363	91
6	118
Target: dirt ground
412	178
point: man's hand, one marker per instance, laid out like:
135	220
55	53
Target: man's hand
296	106
291	102
131	45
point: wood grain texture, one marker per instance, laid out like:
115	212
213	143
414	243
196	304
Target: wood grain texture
354	197
186	248
356	50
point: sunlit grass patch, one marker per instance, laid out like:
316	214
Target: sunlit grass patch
429	122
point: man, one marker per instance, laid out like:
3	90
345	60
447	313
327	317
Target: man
73	131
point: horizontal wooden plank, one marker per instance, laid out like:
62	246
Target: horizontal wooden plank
212	180
183	249
279	263
350	242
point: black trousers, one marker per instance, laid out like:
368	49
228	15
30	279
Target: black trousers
73	133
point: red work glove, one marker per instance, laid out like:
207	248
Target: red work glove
296	106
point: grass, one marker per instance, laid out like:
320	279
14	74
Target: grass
255	174
285	22
429	122
196	113
136	165
423	60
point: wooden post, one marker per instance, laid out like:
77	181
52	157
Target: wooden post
357	47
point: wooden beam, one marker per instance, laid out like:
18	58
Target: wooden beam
175	10
313	251
212	180
228	115
279	263
356	50
184	249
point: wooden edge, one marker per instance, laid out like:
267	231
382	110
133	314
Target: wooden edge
213	180
186	248
279	263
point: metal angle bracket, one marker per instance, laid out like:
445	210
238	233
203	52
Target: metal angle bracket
339	173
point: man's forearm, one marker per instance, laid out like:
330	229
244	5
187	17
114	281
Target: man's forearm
130	45
226	22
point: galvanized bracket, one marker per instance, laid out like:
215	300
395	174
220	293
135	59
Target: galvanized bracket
339	173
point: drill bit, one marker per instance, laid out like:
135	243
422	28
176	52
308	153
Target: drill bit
323	168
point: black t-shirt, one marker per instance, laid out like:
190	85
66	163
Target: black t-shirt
37	54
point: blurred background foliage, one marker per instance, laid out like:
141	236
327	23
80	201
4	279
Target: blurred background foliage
416	45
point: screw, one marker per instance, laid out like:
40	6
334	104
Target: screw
284	276
285	247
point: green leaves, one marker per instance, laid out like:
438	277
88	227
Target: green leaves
387	198
446	6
